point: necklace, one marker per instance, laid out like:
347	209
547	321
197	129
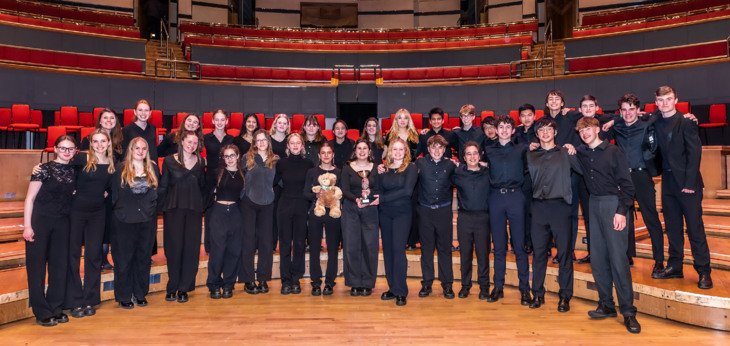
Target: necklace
232	173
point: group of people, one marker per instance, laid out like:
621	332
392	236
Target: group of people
256	189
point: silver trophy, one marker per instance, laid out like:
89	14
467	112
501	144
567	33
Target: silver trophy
364	174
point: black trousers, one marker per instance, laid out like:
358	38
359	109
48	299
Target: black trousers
580	198
292	222
333	232
87	230
256	237
131	251
414	235
472	229
275	220
436	231
609	263
49	247
646	197
182	233
395	221
502	207
551	220
677	205
360	244
226	235
527	191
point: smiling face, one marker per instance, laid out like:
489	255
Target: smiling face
402	121
554	102
340	130
230	158
142	112
220	121
588	108
397	151
589	135
107	120
281	124
629	112
192	123
436	121
251	124
546	134
65	150
295	145
505	131
471	156
139	150
262	143
436	150
527	117
489	130
100	143
371	128
362	151
190	143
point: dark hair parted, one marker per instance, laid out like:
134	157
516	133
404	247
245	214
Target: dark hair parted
630	99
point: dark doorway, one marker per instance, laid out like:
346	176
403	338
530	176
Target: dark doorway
150	13
563	14
355	114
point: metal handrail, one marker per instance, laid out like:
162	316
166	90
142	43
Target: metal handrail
539	64
194	73
166	43
728	45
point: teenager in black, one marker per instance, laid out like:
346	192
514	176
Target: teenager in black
360	221
489	127
341	144
291	171
226	225
467	132
46	233
257	210
141	128
525	134
329	221
371	132
245	138
278	132
213	142
181	200
134	199
436	122
171	142
313	138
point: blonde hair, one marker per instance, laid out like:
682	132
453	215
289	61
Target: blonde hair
91	160
406	156
128	173
253	151
272	130
412	133
303	153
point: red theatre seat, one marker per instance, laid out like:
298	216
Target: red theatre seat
353	134
718	119
297	121
328	134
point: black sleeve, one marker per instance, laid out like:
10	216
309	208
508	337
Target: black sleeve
167	146
309	182
164	180
693	151
345	187
411	174
626	185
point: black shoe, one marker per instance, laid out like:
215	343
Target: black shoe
584	260
705	282
525	298
77	312
126	305
425	291
250	288
484	293
285	289
631	261
227	293
316	290
143	302
400	300
495	295
263	287
602	312
670	273
61	318
657	270
387	295
170	297
182	297
89	311
296	288
215	294
632	325
366	291
327	290
564	305
355	291
464	291
47	322
449	292
537	302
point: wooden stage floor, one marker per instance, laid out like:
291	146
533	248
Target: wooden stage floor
276	319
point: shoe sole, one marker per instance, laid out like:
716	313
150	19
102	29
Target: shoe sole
601	317
681	276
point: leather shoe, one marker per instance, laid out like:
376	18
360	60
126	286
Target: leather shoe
89	311
263	287
400	300
483	293
227	293
355	291
563	305
464	291
327	290
449	292
705	282
425	291
47	322
215	294
250	288
495	295
296	288
126	305
316	290
657	270
602	312
170	297
285	289
364	291
537	302
670	273
632	325
182	297
61	318
387	295
141	302
584	260
77	312
525	298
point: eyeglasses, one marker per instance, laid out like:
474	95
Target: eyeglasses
232	156
66	149
261	140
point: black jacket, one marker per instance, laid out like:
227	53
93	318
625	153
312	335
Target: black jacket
685	152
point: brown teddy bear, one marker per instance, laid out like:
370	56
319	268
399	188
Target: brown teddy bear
328	196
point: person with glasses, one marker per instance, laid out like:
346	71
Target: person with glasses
213	142
141	128
467	132
46	233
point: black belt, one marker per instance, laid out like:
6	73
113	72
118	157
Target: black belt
435	206
506	190
637	170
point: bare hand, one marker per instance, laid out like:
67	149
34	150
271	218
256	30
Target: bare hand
534	146
619	222
565	110
376	201
381	168
484	164
686	190
607	126
571	149
28	234
456	128
692	117
359	203
424	131
36	169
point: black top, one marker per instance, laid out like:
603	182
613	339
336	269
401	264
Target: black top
606	173
550	173
136	203
213	151
351	183
259	187
507	164
460	137
488	142
377	153
230	187
522	136
291	171
566	127
167	146
412	146
90	186
342	151
664	131
181	188
242	144
59	182
680	149
472	188
149	134
312	150
279	148
423	142
637	141
396	188
311	180
434	181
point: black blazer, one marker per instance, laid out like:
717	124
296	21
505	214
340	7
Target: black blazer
685	152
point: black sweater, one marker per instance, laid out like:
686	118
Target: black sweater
351	183
90	186
149	134
181	188
396	188
291	172
342	151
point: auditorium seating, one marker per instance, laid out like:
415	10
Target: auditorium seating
646	11
128	32
67	12
23	55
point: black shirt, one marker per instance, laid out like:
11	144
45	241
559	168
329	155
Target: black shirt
311	180
566	127
181	188
242	144
311	149
637	141
259	187
292	171
58	184
522	136
136	203
351	183
167	146
90	186
606	173
507	164
396	188
213	152
149	134
663	127
423	142
377	153
461	136
342	151
279	148
472	188
434	181
550	173
230	187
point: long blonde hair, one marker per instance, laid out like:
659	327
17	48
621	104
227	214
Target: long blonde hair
253	151
91	160
272	130
128	173
406	157
412	133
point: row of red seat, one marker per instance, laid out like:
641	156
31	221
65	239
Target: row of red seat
651	24
649	57
25	55
358	35
68	12
634	13
281	45
78	27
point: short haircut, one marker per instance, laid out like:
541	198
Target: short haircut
436	110
587	122
545	121
555	92
630	99
525	107
472	144
468	109
436	139
587	98
503	119
492	121
665	90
